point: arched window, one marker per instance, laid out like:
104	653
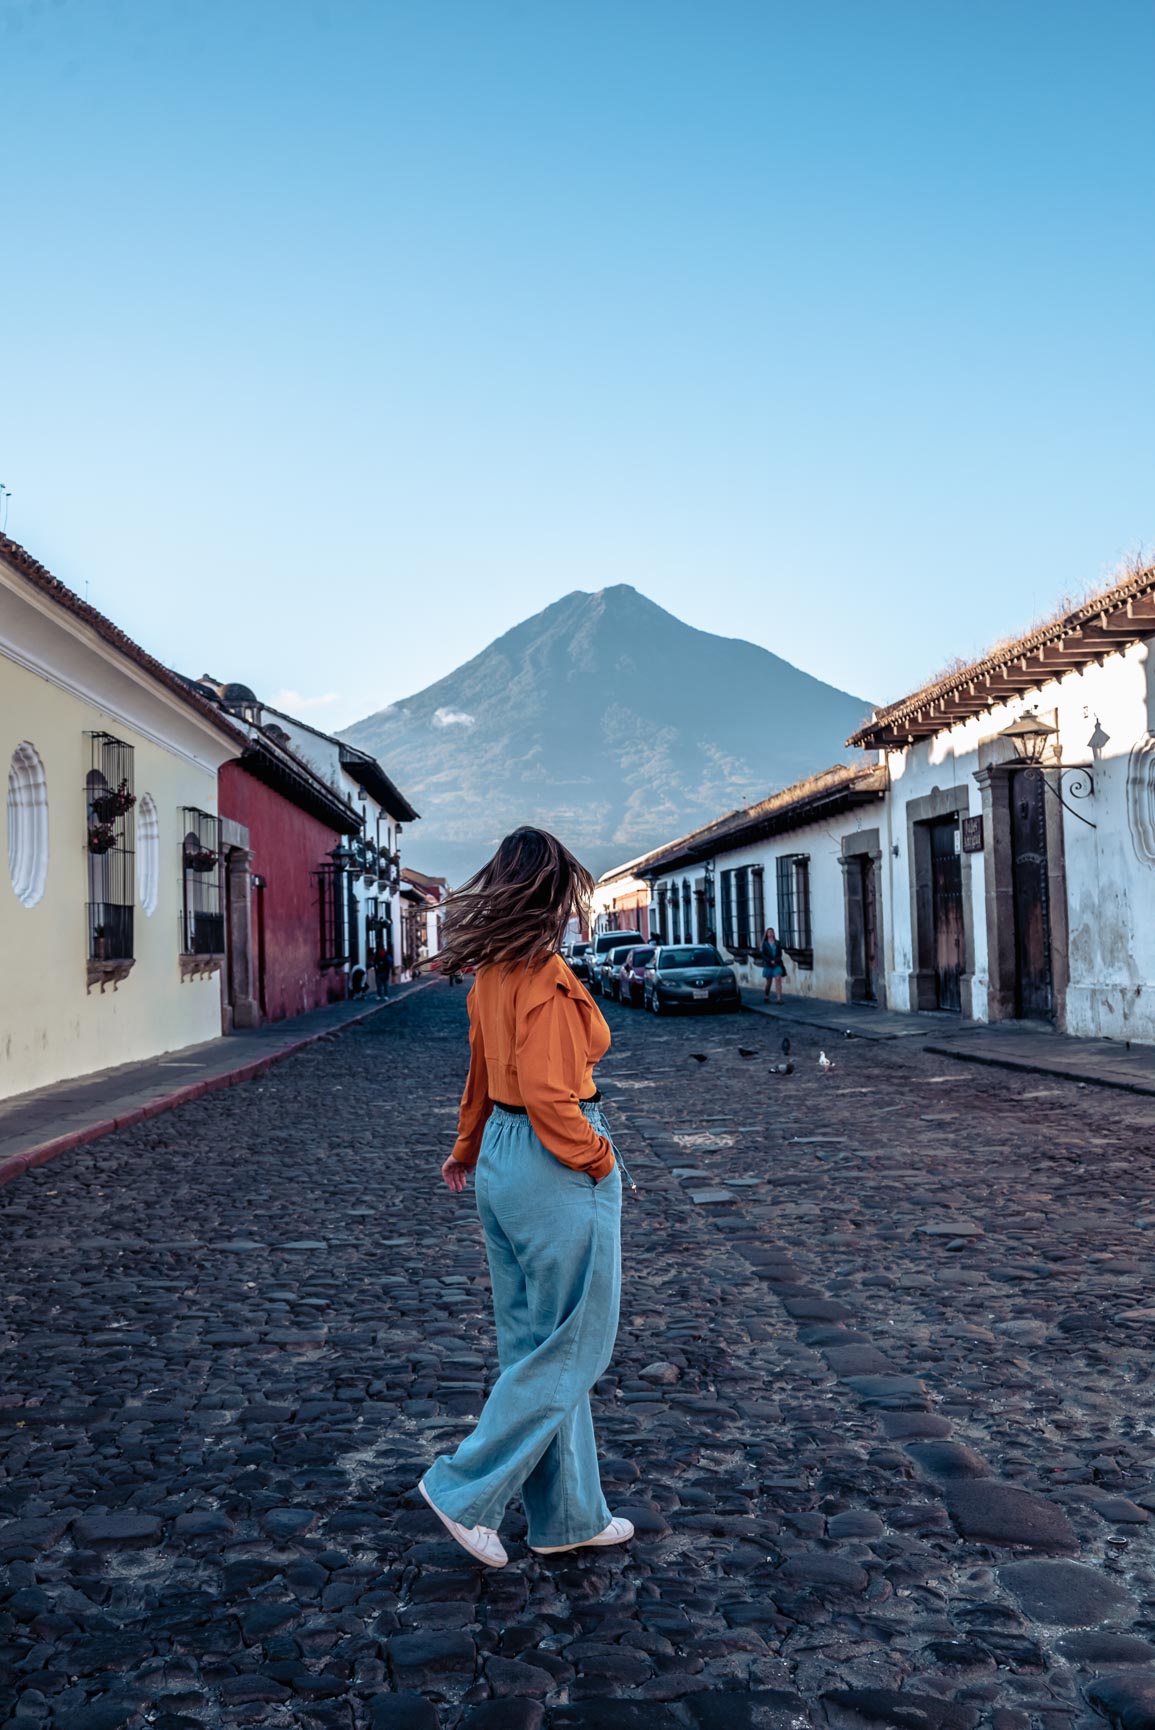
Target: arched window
27	824
148	852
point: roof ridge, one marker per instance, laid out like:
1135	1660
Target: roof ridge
1068	623
22	561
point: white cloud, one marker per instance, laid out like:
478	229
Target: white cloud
452	718
293	703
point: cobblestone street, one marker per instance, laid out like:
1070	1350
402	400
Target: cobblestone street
881	1409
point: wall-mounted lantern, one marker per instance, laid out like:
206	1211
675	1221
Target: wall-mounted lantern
1030	737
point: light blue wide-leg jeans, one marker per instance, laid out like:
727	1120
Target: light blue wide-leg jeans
553	1240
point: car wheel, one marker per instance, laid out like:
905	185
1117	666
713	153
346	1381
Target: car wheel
655	1003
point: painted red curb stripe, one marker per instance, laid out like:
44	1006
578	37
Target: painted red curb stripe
18	1163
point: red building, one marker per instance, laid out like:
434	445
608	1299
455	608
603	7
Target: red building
288	889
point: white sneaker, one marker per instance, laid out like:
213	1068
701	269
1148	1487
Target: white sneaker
482	1542
618	1531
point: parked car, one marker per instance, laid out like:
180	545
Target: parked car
632	976
690	976
602	943
608	969
576	957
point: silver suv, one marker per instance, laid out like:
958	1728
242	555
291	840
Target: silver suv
602	943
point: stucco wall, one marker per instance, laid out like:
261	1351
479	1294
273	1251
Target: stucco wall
51	1026
822	843
1109	869
287	846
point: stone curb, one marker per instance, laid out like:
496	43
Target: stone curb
1054	1071
18	1163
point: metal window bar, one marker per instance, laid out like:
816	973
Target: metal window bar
687	912
202	920
354	921
110	820
785	869
758	903
728	909
742	909
329	879
794	922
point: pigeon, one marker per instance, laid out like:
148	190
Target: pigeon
826	1064
745	1051
786	1046
700	1056
786	1068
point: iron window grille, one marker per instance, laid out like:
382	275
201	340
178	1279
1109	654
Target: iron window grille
742	909
354	944
794	926
728	909
330	881
757	904
687	912
663	925
202	920
110	823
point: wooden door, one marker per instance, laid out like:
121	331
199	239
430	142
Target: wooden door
869	929
1034	989
947	912
861	929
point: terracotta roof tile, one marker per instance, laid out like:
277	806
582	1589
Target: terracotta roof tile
1121	615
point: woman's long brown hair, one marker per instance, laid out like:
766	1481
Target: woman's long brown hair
516	908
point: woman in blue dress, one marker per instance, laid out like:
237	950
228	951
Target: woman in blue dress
773	963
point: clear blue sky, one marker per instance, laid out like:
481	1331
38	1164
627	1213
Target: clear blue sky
339	335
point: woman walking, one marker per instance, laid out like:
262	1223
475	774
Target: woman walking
549	1197
773	963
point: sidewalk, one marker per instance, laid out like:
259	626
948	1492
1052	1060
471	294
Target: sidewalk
36	1126
1041	1051
1036	1050
861	1020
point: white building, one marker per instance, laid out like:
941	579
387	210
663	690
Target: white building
1022	889
621	901
806	861
375	872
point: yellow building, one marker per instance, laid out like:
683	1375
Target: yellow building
111	923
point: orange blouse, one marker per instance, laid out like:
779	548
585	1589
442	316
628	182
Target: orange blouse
534	1038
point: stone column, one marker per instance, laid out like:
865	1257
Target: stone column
243	1006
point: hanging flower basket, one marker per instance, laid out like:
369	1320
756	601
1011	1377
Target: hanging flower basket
200	859
101	838
112	804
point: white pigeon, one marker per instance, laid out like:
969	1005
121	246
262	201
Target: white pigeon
825	1064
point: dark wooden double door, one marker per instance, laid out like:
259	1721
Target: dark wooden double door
1030	885
862	929
1034	998
947	919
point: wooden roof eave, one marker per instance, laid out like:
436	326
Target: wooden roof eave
1078	641
800	816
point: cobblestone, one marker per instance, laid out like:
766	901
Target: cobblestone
882	1475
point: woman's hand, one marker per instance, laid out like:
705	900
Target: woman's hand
454	1174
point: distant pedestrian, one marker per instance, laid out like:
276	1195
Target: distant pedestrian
382	969
773	964
549	1194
